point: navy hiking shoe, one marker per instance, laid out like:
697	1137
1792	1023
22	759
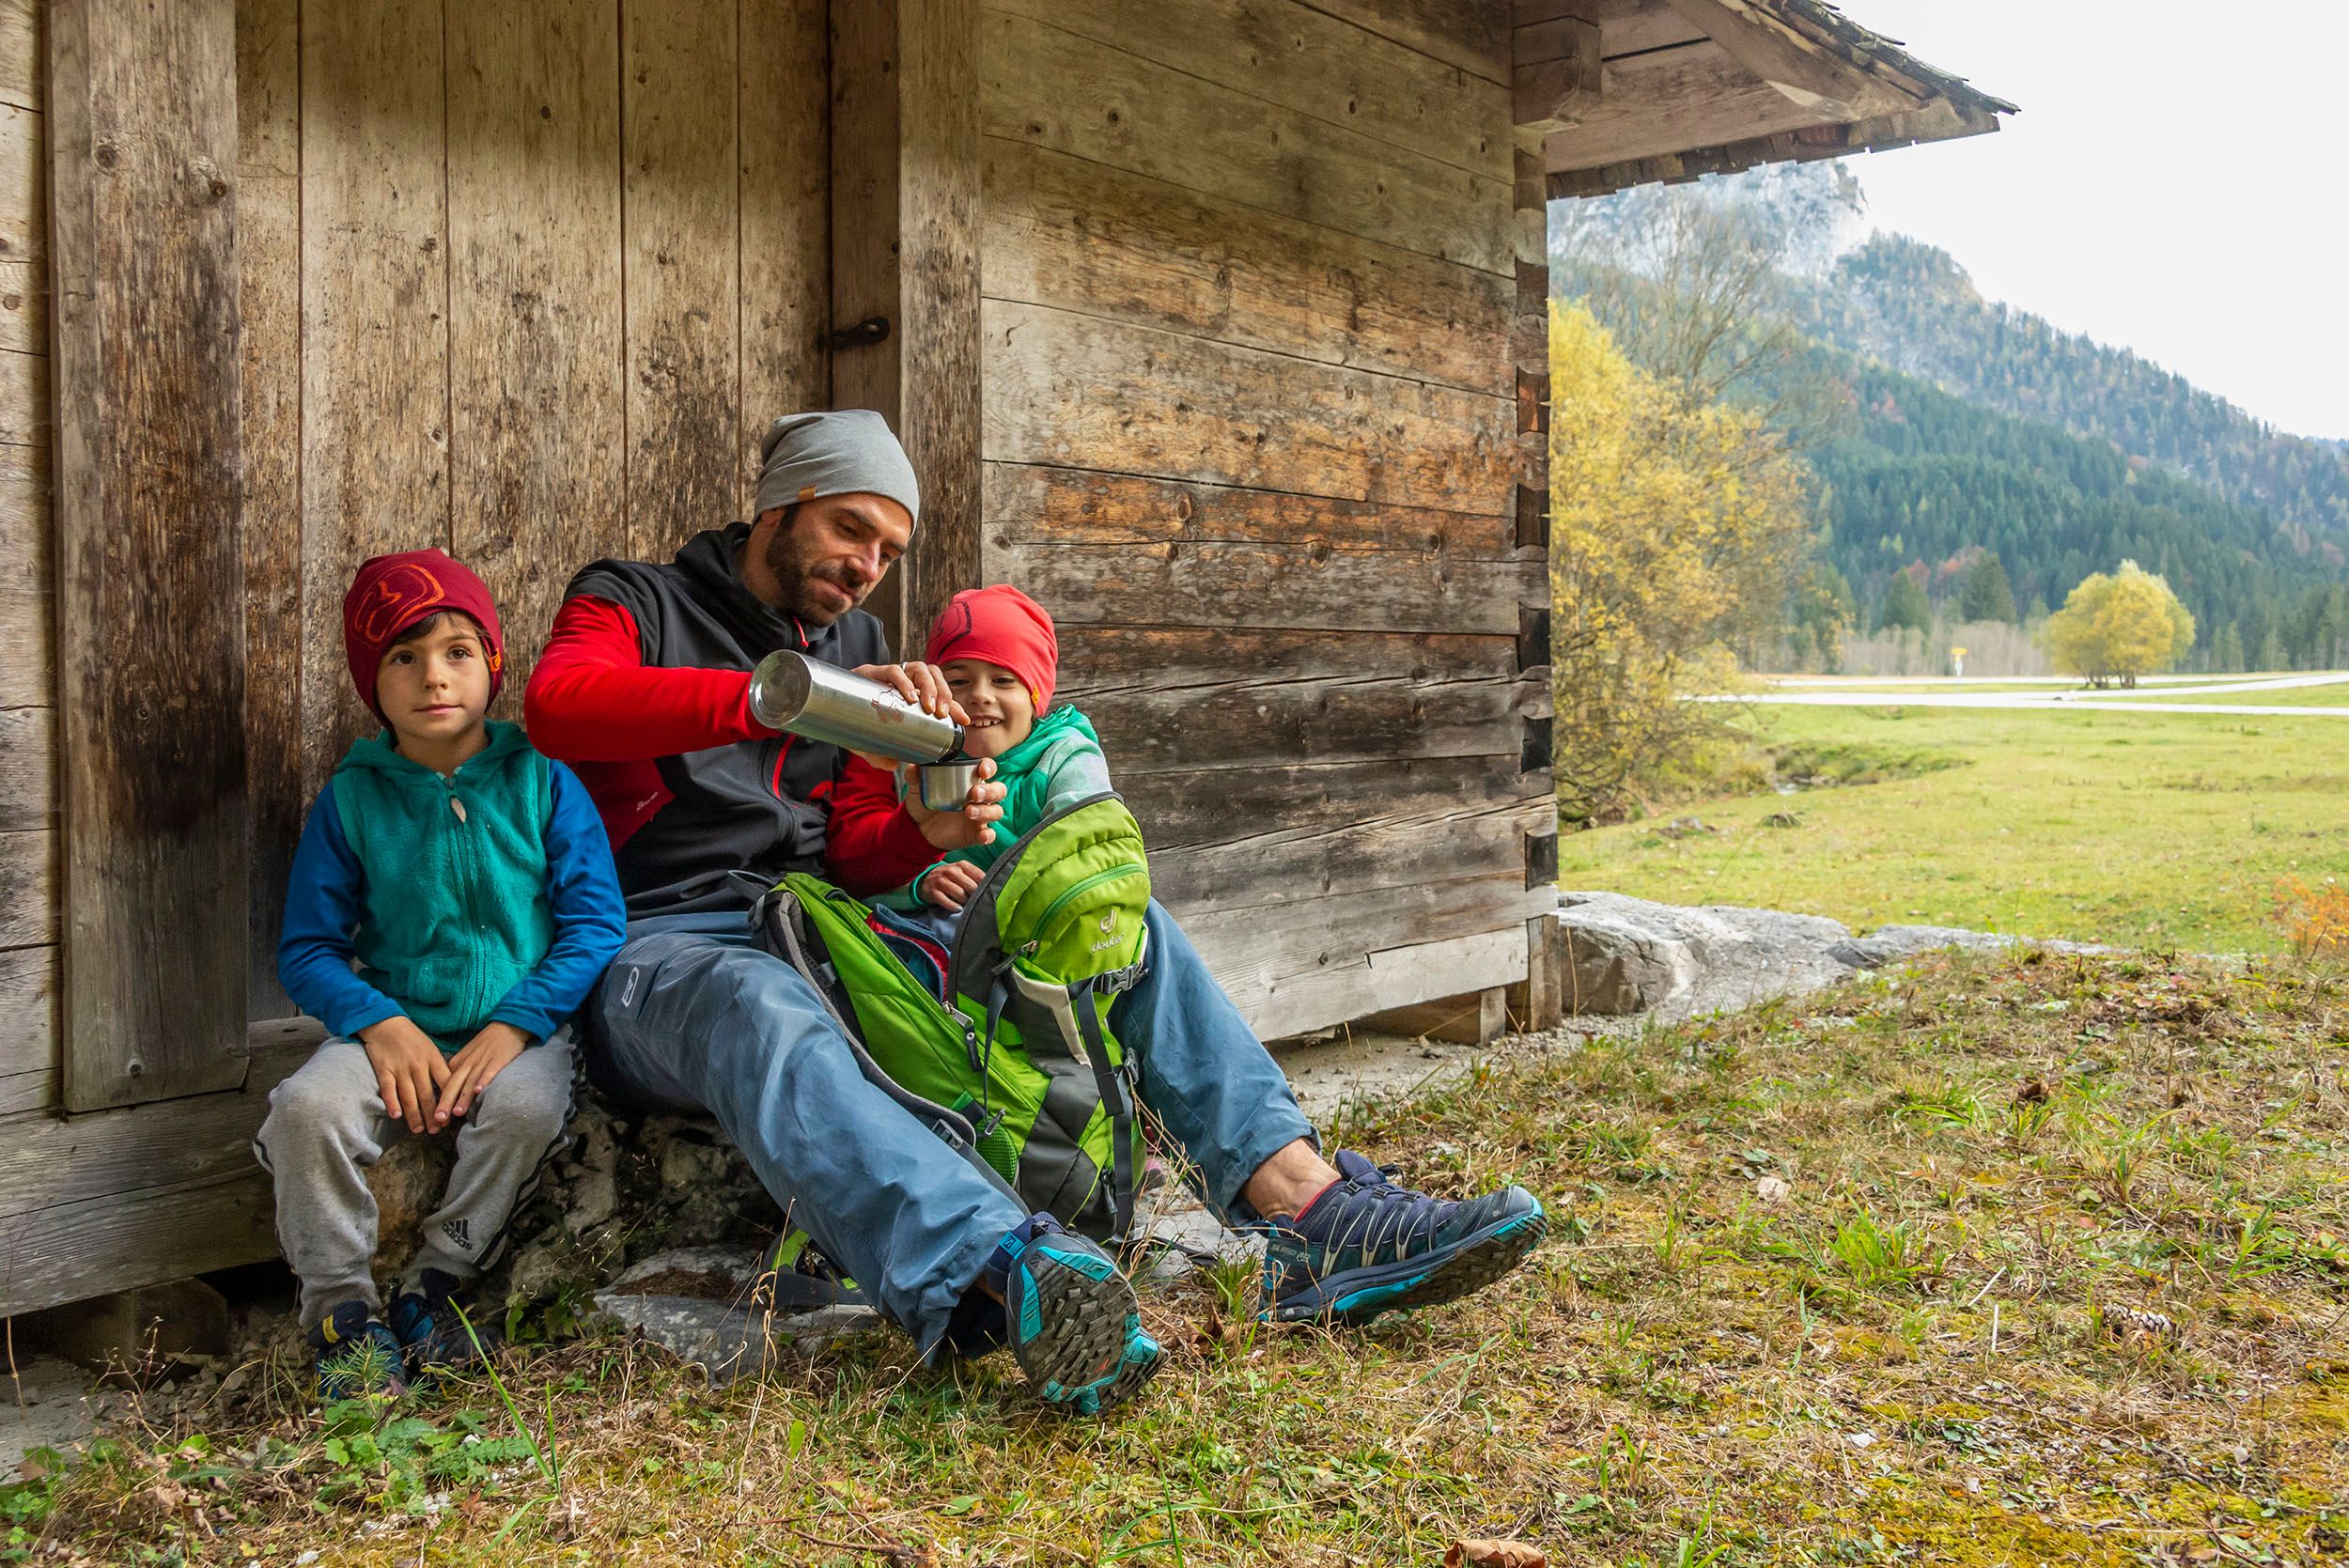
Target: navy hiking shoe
1367	1245
425	1322
354	1353
1074	1326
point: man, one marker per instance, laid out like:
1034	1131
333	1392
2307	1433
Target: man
644	689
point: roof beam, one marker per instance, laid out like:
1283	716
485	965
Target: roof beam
1830	88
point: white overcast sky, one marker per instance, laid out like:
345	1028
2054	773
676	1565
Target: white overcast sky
2173	185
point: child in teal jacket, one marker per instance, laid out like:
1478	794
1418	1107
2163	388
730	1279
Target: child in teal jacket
451	902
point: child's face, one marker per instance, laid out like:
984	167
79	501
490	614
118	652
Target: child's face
434	685
1002	711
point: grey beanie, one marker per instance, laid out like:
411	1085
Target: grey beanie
806	456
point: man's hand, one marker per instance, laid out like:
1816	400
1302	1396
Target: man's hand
948	886
409	1069
482	1058
924	686
973	824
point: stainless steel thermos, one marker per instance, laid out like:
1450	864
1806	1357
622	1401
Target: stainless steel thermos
805	696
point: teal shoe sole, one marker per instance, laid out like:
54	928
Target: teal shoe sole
1075	1330
1357	1296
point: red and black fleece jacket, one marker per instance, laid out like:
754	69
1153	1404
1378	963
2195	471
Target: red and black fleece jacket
644	691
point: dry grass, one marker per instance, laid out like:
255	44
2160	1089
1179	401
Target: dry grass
1947	1337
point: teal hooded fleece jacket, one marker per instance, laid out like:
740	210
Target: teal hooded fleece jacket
483	895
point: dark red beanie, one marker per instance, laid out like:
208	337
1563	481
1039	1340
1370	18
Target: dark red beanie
1002	625
393	593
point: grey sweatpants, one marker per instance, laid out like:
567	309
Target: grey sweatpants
326	1125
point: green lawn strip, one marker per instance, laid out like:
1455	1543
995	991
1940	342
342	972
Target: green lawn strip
2334	696
2154	829
1837	1281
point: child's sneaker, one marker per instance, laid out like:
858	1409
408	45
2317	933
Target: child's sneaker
1074	1326
1366	1246
426	1324
356	1354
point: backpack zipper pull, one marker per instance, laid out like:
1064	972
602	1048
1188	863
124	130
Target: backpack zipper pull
971	1047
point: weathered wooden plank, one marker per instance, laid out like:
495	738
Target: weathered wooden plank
786	248
1671	100
1256	951
1306	800
149	458
1273	586
21	53
1248	699
27	1094
28	889
1299	58
535	395
374	325
28	580
269	270
1473	37
140	1148
23	185
1369	864
25	408
24	307
1051	88
1625	28
1030	503
682	268
1791	63
1085	236
904	129
28	759
78	1250
28	1017
1395	978
1078	392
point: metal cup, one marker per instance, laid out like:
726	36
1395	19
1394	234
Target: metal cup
808	697
946	785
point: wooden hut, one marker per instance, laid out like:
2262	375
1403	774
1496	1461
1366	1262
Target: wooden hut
1216	323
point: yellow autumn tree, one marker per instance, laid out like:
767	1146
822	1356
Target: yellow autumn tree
1677	528
2114	629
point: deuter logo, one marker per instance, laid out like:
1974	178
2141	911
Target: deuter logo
1109	922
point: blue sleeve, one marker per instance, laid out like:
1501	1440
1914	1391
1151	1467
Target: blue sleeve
314	946
590	917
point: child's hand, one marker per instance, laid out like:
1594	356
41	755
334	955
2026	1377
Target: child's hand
409	1068
948	885
471	1069
973	824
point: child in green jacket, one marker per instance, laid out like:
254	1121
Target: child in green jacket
1002	662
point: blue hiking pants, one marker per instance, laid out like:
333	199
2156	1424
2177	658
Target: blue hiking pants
695	1014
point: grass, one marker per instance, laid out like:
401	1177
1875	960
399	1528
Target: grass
2158	830
2033	1260
2334	695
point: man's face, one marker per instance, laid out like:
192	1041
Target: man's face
824	561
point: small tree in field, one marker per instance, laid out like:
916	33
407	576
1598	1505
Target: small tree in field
2114	629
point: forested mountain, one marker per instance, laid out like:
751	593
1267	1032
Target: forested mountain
1911	306
1973	433
1923	482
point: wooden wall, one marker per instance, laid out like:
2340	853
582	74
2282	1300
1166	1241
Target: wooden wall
28	839
524	279
1250	432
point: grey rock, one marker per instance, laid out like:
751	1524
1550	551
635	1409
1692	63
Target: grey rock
595	1197
1629	956
1184	1236
706	1306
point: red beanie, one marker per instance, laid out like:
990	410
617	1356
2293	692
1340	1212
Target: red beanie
1001	626
393	593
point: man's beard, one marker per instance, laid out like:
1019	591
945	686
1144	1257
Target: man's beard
795	576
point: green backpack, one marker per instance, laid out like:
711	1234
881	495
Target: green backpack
1000	1044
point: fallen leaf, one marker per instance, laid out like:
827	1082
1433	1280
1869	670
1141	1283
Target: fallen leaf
1493	1554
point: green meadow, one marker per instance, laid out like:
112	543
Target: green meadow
2155	829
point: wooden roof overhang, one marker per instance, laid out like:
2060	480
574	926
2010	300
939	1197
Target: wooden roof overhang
1628	92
